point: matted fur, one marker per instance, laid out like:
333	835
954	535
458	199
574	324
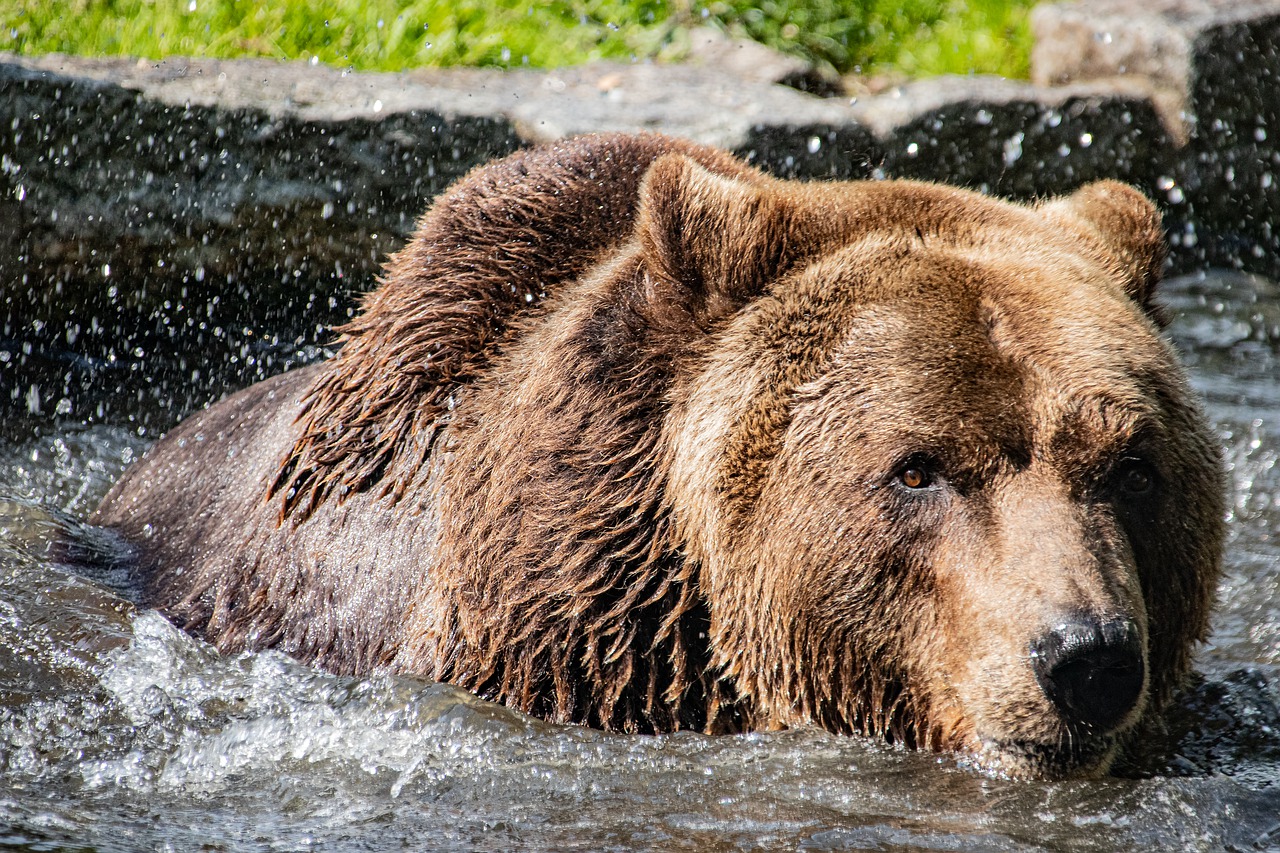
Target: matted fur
493	247
618	439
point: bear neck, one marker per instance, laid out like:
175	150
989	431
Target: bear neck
559	587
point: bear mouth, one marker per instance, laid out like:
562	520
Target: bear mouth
1073	756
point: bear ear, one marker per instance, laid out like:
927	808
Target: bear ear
709	242
1128	228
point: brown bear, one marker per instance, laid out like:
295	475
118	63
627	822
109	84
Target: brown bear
635	436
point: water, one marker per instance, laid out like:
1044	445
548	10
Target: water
119	733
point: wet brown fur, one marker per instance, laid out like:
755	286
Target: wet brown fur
615	443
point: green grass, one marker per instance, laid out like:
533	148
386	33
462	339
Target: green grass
912	37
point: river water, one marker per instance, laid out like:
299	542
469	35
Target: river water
119	733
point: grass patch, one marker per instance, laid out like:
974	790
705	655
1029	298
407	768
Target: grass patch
913	37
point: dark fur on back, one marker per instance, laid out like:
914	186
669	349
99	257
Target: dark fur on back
493	247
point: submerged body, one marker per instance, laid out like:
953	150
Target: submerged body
634	436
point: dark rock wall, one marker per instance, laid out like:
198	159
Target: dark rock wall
1231	168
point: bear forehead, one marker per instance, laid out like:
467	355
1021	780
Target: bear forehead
963	306
974	368
971	402
946	349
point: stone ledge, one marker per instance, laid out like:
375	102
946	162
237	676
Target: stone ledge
702	103
1156	40
1216	65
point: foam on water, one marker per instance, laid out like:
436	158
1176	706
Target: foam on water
223	719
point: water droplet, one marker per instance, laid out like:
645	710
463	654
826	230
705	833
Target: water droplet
815	144
1013	149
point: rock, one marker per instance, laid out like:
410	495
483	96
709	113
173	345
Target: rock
1098	39
708	104
210	183
1017	139
1215	68
749	60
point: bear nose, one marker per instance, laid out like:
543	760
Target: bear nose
1091	669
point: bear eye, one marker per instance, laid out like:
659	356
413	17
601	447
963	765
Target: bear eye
1134	477
914	478
917	473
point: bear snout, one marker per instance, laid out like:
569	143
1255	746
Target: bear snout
1091	669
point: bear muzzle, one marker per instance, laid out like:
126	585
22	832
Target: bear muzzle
1070	703
1092	670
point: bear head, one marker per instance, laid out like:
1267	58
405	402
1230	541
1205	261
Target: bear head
942	477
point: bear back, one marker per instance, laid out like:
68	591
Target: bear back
491	249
